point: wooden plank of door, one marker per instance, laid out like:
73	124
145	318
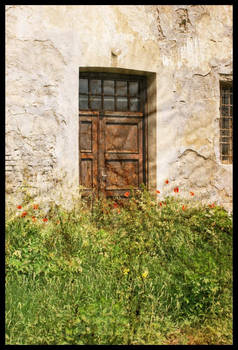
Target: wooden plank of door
101	156
88	150
123	154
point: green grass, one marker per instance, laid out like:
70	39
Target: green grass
138	273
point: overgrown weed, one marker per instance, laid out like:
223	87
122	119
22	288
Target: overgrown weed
134	271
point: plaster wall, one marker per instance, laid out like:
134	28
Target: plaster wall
184	50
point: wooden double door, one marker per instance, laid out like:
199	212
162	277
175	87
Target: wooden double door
112	144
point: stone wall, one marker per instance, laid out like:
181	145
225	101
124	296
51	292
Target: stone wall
187	47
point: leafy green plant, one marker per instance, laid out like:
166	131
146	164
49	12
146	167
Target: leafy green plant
134	271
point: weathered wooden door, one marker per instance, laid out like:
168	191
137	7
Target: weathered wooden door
111	133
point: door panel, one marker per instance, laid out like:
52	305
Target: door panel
88	152
123	154
86	136
121	174
121	137
87	172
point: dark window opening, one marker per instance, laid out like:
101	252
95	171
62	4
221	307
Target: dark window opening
226	124
114	92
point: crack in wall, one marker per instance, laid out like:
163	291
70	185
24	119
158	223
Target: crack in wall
159	28
52	46
202	75
183	20
188	150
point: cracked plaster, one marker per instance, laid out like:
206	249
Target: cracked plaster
46	45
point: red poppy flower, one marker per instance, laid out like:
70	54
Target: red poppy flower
191	193
35	206
166	181
24	213
212	205
115	205
183	207
160	204
126	194
19	207
45	219
176	189
157	191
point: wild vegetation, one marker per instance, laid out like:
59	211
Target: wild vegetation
134	271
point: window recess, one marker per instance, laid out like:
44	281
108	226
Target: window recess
226	122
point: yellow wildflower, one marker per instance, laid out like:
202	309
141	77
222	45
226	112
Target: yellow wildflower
125	271
145	274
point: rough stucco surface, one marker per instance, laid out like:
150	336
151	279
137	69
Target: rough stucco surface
188	47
